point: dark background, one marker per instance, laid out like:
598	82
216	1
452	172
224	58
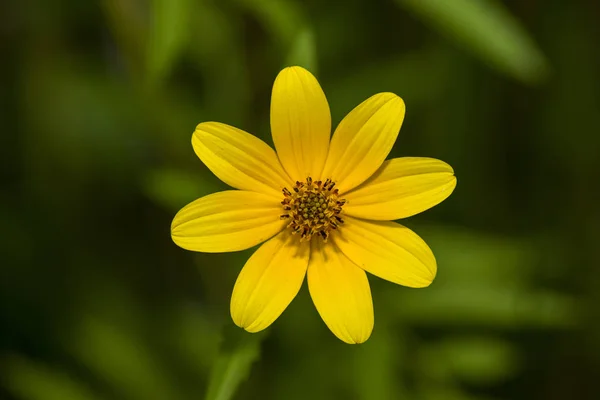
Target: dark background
98	102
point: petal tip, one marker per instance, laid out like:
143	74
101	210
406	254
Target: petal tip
175	224
393	98
174	238
247	325
360	339
240	318
293	70
205	124
431	266
237	315
452	184
255	328
420	284
430	280
198	135
426	281
353	338
443	166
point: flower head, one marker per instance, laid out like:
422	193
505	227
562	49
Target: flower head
323	207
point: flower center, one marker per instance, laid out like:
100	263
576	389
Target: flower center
313	208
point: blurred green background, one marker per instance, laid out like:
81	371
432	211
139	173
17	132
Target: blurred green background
98	102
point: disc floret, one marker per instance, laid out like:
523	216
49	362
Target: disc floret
313	207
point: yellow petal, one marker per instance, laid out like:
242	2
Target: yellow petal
227	221
300	123
363	140
388	250
239	159
341	293
400	188
269	281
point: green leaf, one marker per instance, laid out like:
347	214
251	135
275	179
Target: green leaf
169	32
282	18
488	30
304	51
239	350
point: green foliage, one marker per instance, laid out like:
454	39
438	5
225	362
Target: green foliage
282	18
487	29
170	29
239	351
303	51
98	106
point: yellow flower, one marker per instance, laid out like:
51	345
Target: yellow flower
323	207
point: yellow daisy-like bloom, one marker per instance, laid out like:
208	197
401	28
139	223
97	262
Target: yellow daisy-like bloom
323	207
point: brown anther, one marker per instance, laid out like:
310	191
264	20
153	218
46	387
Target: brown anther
312	208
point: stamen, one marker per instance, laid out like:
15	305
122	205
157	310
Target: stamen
312	208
